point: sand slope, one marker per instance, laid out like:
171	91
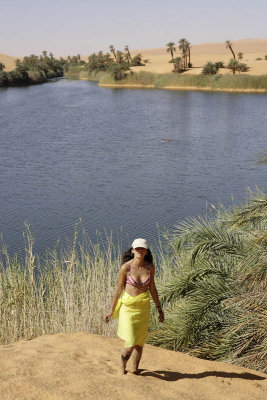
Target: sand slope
84	366
201	53
9	61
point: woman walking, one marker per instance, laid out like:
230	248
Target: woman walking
136	278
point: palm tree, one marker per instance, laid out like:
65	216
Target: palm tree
183	48
170	48
229	45
112	49
216	298
2	66
119	57
188	49
233	65
126	49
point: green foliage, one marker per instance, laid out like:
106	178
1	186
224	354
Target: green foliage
137	61
35	69
265	57
3	78
216	299
170	48
258	59
178	65
2	66
219	64
210	69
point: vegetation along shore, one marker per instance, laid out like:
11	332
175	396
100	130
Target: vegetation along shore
121	70
211	275
180	66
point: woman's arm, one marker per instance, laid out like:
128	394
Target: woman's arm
118	291
154	293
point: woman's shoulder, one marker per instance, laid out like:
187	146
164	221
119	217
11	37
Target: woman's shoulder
125	267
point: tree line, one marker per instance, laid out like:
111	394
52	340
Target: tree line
118	63
36	69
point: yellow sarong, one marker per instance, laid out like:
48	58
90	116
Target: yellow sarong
133	313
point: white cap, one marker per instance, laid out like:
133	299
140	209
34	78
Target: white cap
140	243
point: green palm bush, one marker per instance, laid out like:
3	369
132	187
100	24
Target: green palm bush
216	300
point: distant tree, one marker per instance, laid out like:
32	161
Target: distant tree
233	65
242	67
188	49
120	57
240	55
170	48
210	69
119	71
2	66
178	65
44	53
137	61
127	51
219	64
183	47
229	45
112	49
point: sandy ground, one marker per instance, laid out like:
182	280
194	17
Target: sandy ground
84	366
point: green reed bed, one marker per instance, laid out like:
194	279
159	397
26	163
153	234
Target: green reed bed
172	80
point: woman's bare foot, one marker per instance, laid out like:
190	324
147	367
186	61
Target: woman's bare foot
136	372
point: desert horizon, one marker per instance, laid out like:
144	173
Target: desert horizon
200	54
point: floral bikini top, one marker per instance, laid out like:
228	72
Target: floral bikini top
131	281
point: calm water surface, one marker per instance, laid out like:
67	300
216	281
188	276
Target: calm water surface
71	150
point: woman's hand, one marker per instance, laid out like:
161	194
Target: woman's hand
107	317
161	315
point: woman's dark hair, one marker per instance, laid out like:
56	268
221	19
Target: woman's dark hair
128	255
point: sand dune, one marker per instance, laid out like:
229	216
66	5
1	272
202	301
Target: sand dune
84	366
9	61
201	53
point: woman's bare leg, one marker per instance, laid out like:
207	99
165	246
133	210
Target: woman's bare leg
125	355
137	354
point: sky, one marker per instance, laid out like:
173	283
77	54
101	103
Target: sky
69	27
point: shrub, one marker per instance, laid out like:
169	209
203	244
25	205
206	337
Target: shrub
210	69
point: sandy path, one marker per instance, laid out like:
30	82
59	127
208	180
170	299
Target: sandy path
83	366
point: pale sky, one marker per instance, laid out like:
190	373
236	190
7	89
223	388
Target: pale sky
68	27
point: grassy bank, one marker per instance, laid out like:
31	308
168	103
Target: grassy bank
211	277
176	81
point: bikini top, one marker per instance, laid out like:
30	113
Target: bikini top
131	281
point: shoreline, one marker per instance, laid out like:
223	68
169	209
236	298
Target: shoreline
187	88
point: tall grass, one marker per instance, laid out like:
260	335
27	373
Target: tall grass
68	290
172	80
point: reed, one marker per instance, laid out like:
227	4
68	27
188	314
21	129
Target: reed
68	290
172	80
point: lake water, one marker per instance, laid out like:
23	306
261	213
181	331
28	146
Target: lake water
71	150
